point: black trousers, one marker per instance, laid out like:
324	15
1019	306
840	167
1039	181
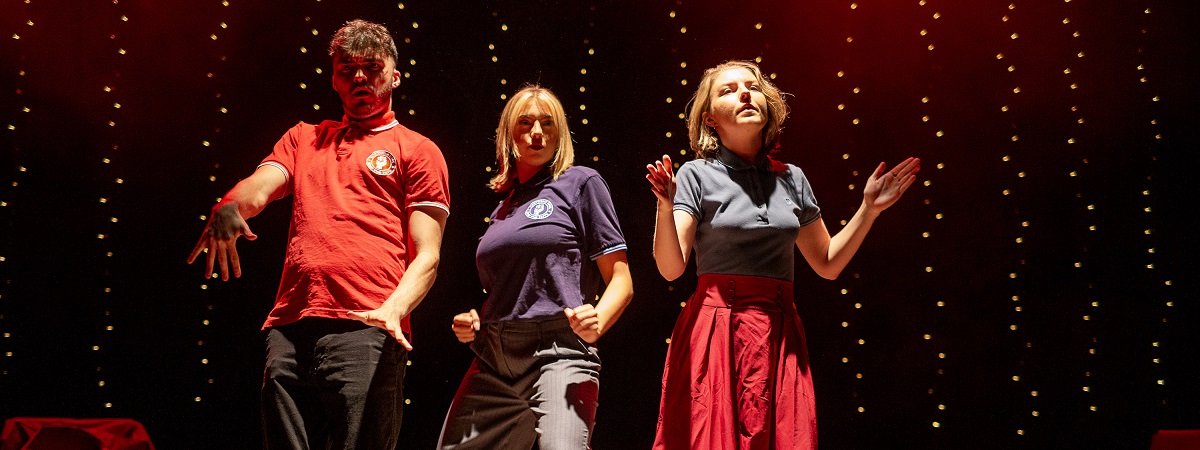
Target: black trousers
332	384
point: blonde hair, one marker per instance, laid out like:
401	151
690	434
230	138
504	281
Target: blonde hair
506	145
703	138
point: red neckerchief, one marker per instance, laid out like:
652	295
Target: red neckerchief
362	127
349	130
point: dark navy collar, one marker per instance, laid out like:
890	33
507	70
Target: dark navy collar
538	179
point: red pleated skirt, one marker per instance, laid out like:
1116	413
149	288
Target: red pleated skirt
737	374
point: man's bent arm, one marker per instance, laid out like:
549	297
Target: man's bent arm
252	194
426	225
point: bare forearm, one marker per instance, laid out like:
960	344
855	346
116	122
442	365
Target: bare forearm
612	303
668	254
248	205
414	285
828	256
255	192
846	242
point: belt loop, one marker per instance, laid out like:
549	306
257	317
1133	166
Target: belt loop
732	291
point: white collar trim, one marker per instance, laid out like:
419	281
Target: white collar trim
386	127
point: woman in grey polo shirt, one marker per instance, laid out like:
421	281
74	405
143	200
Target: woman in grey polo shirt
737	372
535	377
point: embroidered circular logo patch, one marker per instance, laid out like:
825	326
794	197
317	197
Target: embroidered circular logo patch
539	209
381	162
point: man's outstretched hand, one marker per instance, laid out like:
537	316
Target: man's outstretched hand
384	318
219	240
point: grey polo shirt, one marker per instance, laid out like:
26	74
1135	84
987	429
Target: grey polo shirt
748	216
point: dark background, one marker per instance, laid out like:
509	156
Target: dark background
1035	288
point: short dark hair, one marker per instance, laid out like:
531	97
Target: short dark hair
359	38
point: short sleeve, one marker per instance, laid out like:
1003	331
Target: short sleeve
598	224
283	157
426	178
688	189
802	194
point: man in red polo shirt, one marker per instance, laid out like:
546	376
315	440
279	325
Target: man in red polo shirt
369	205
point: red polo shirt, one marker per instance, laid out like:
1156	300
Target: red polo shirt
351	194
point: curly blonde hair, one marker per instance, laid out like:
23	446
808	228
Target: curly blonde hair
703	138
506	145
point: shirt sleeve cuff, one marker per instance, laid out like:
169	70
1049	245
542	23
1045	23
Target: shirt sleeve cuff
287	176
441	206
685	208
614	248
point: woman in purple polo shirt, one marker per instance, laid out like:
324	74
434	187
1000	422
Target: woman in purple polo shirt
548	245
737	372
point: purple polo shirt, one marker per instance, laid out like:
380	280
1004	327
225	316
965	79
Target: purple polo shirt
748	215
536	256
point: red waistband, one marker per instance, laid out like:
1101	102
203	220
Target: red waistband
723	290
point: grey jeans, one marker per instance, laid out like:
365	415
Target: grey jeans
531	382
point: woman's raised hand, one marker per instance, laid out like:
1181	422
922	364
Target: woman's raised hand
662	179
884	188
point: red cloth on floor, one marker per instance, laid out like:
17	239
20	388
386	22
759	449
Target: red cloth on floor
737	372
1176	440
112	434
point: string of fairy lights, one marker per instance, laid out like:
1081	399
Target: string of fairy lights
585	134
1080	148
932	133
112	181
1160	283
676	134
313	51
404	40
850	92
500	40
209	142
400	99
22	34
586	127
1011	153
674	137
